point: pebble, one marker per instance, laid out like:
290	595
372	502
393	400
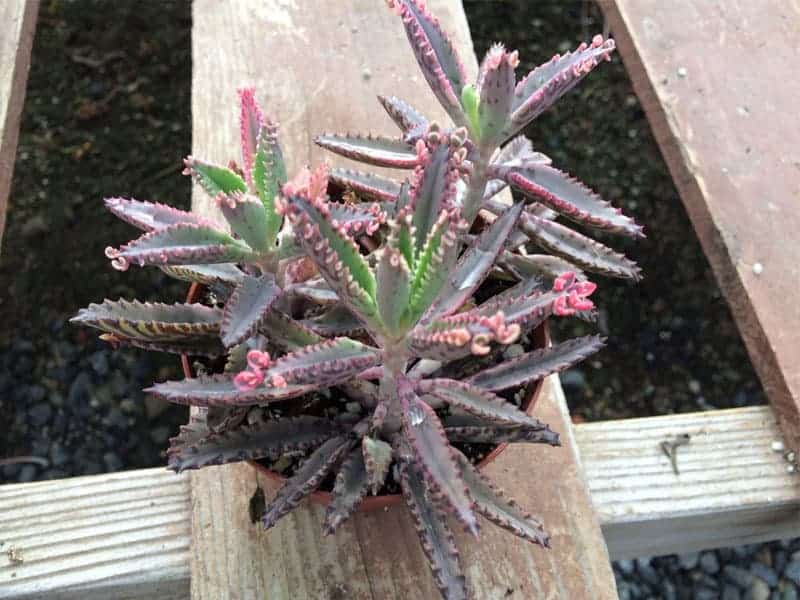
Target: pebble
689	561
730	592
759	590
792	570
738	576
39	414
765	573
788	591
709	563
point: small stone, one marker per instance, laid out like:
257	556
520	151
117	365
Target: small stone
682	72
573	378
792	570
765	573
788	590
58	455
99	362
39	414
709	563
648	574
758	268
626	566
777	446
366	74
353	407
704	593
758	590
153	406
738	576
730	592
668	590
27	474
689	561
160	435
112	462
694	386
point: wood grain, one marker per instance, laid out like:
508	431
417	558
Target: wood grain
733	489
17	26
317	67
715	78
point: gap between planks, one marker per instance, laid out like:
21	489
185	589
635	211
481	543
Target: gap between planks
127	535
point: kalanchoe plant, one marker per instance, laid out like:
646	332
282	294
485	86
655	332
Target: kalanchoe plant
360	345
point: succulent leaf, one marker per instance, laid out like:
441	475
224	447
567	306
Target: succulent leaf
150	216
367	185
519	152
357	219
496	88
214	179
183	244
249	442
577	248
348	491
151	322
317	290
499	434
206	274
537	364
198	346
306	479
569	197
335	321
462	334
475	264
286	332
251	122
548	82
543	266
408	119
248	219
377	460
247	308
374	150
435	54
269	174
476	401
434	456
437	539
394	288
220	390
499	509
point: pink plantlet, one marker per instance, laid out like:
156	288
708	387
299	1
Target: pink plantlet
258	360
247	381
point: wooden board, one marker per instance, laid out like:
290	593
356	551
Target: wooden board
17	25
644	509
318	67
717	79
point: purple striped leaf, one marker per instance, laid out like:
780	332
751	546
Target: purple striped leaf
357	219
287	333
248	219
206	274
577	248
269	174
335	321
499	434
247	308
496	82
197	447
184	244
543	266
537	364
434	456
210	347
462	334
519	152
150	216
220	390
435	54
435	535
349	489
251	121
393	288
374	150
476	401
306	479
408	119
367	185
501	510
548	82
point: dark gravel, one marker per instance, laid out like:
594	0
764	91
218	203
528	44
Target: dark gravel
114	120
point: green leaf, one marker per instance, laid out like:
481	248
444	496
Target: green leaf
394	287
269	173
249	220
215	179
470	101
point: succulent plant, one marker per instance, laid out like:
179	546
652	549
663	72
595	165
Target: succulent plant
363	341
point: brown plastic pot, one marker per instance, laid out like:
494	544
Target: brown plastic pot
541	338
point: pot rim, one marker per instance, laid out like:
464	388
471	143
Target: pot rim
541	339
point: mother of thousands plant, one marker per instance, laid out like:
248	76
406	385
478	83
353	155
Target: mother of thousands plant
358	341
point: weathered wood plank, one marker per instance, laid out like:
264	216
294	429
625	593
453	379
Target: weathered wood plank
17	25
733	489
319	69
716	80
121	536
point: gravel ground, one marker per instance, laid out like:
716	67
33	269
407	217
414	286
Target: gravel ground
75	405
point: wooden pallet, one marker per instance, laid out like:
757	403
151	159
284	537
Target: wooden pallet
154	534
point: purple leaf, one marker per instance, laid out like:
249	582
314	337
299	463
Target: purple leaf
393	288
476	401
183	244
220	390
462	334
569	197
269	174
377	460
499	509
285	332
539	266
317	290
519	152
357	219
335	321
373	150
206	274
251	122
499	434
577	248
435	457
435	535
306	479
367	185
408	119
475	264
537	364
150	216
247	308
201	346
193	449
548	82
348	491
435	54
